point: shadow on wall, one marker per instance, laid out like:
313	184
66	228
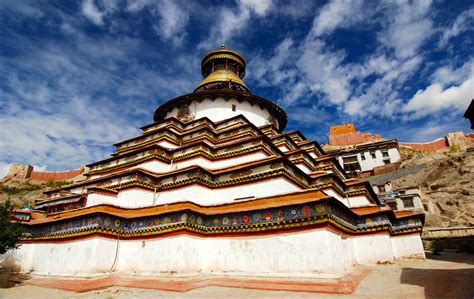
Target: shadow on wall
443	283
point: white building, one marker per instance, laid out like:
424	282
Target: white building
216	187
365	159
402	199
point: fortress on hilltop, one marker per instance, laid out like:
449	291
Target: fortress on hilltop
215	186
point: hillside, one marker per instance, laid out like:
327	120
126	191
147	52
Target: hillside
22	192
446	181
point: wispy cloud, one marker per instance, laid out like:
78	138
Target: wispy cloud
434	98
337	14
64	103
233	20
447	74
91	12
464	22
173	20
409	28
170	18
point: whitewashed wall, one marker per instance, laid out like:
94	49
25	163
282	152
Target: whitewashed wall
162	167
369	163
219	109
313	253
350	201
137	197
158	166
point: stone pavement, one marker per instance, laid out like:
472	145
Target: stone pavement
450	275
344	285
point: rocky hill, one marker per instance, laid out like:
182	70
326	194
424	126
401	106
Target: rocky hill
25	192
446	181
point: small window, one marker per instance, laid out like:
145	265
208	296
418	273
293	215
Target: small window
382	188
385	154
392	205
408	203
234	107
373	155
362	157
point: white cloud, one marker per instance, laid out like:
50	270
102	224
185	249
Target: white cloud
323	71
336	14
295	9
22	7
464	22
409	28
274	70
172	17
434	98
311	69
90	11
232	21
173	21
260	7
137	5
60	101
447	75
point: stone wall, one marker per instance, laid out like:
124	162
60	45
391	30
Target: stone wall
431	146
56	175
458	139
19	171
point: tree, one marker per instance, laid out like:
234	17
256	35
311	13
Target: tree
10	231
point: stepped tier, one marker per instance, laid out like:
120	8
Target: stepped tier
203	169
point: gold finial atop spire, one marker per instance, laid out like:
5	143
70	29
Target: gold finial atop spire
223	69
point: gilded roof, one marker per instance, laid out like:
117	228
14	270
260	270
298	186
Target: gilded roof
223	55
223	52
222	76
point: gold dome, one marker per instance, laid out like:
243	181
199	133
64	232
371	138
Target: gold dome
221	66
222	76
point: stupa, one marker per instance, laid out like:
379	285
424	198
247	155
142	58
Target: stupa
215	186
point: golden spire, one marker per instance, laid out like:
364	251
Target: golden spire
222	69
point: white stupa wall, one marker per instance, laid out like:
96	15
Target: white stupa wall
158	166
373	248
137	197
304	168
404	246
350	201
313	253
220	109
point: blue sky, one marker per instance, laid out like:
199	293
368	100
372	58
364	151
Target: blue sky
77	76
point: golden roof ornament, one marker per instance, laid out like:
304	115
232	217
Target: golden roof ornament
222	69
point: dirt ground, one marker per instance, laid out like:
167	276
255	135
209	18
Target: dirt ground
449	275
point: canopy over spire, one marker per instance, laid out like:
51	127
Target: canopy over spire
222	69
